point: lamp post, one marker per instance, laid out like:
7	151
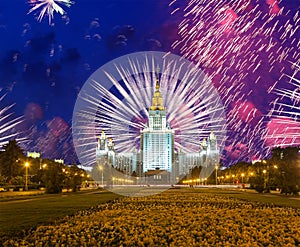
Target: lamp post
243	175
265	181
26	175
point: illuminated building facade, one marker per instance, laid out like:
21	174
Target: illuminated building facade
105	152
156	158
208	155
106	157
157	139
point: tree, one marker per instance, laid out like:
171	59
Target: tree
11	160
18	180
73	177
53	177
287	164
77	177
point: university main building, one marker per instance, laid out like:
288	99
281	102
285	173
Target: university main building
156	158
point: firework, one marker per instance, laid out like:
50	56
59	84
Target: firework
284	125
8	124
117	96
241	45
48	7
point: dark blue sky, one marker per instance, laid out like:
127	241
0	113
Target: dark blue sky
43	67
74	57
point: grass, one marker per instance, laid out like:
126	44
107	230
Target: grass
278	200
274	199
21	214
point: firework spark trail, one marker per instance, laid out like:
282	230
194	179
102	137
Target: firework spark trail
121	109
240	44
122	117
48	7
8	124
285	115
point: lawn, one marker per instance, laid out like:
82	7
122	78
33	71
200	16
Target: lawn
248	195
22	213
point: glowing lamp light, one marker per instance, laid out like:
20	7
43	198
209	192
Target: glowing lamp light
26	175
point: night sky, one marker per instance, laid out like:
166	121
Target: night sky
43	67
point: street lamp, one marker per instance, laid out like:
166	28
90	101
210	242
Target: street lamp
26	175
243	175
265	181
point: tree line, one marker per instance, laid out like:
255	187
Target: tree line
280	172
41	173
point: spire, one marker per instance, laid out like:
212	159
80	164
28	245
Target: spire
212	136
102	135
110	142
157	86
157	100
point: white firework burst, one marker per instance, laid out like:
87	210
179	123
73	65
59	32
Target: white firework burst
117	96
284	125
48	7
8	124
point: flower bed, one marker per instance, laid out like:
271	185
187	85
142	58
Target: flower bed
173	218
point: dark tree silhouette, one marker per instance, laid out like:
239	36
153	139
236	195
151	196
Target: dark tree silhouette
12	160
287	174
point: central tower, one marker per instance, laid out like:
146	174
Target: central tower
157	138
